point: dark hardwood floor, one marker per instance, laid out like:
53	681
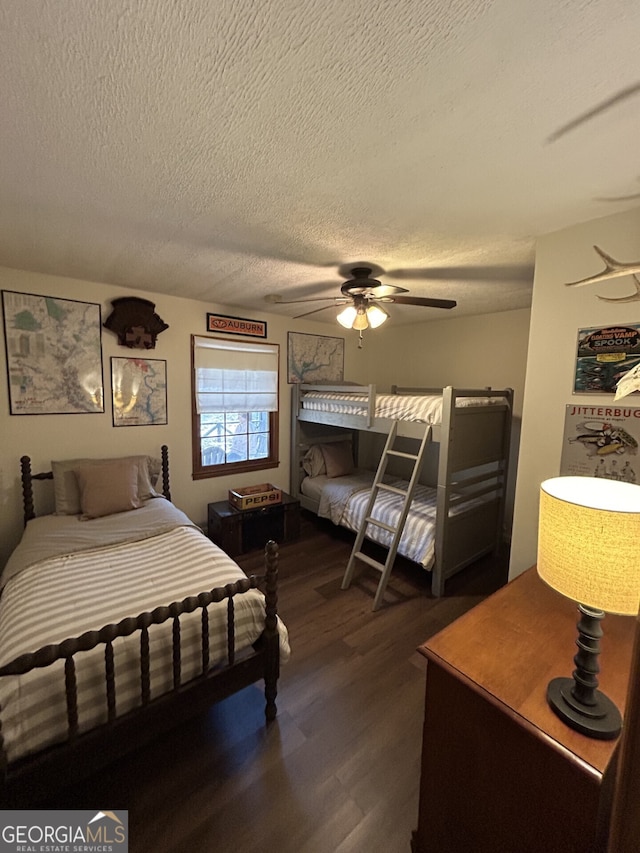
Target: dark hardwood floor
339	769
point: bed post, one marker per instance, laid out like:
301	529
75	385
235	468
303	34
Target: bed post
271	638
294	449
371	405
27	489
443	493
166	491
506	453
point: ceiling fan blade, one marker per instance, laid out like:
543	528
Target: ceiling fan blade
387	290
370	288
426	301
315	311
276	299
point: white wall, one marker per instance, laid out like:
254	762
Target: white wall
47	437
490	349
468	352
557	314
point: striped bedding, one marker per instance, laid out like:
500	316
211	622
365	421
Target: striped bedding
64	595
422	408
344	501
417	542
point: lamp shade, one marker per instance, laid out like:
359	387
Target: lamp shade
589	541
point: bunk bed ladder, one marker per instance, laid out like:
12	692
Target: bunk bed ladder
380	485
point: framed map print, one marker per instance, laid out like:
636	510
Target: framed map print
139	388
314	358
54	355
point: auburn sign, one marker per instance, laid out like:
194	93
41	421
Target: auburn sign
236	326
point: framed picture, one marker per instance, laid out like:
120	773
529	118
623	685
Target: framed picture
54	355
604	355
314	358
601	441
139	390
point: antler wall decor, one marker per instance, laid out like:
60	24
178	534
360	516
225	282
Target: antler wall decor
612	269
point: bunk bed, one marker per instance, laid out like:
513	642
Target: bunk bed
457	509
118	622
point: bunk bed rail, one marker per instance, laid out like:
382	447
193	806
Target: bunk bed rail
358	400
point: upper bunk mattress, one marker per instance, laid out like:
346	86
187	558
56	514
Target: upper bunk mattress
423	408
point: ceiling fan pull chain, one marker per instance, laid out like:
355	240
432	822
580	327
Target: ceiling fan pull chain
360	339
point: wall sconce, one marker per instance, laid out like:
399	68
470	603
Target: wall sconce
589	551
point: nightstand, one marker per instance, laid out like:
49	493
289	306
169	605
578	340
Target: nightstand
237	531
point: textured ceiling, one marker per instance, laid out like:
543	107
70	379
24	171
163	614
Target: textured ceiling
233	149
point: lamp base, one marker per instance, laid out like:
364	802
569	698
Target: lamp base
601	720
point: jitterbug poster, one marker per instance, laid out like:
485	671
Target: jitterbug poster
602	441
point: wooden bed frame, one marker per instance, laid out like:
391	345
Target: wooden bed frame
28	779
473	460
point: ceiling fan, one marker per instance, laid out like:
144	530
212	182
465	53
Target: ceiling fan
363	297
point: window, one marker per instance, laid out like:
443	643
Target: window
235	406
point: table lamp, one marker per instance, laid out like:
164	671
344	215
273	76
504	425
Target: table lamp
589	551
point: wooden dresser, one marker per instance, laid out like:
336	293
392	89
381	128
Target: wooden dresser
500	772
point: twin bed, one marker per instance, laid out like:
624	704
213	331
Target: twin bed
457	510
118	619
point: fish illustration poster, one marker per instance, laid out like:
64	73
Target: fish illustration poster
602	441
605	355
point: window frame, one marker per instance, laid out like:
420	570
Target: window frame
225	469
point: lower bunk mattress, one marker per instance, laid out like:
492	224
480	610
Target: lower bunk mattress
69	576
344	500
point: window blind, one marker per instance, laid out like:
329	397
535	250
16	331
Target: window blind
235	376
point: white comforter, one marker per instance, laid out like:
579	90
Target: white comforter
49	598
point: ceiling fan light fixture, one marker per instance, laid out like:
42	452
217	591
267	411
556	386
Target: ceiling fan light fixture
360	321
347	316
376	316
362	316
